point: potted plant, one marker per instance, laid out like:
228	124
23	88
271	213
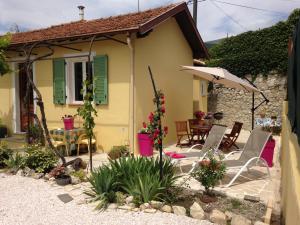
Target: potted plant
209	172
3	130
149	136
68	122
200	116
60	175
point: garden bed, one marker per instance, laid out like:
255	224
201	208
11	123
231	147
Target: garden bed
253	211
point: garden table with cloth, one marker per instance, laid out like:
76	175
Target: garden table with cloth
201	131
70	136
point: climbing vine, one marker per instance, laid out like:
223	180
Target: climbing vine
256	52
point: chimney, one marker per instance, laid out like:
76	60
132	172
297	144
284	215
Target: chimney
81	12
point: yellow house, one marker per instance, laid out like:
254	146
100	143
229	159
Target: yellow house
123	47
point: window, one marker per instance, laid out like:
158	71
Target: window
203	88
77	74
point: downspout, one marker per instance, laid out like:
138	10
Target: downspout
132	118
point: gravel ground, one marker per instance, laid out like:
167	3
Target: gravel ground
25	201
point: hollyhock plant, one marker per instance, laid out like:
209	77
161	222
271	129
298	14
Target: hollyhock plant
152	128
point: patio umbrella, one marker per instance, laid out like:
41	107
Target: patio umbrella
222	76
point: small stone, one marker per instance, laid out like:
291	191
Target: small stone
125	207
75	180
112	206
144	206
20	173
47	177
229	215
252	198
179	210
75	193
150	210
197	212
166	208
260	223
37	175
238	220
135	210
129	199
81	201
68	188
218	217
52	179
156	204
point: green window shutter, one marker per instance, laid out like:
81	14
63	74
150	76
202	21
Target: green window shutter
101	79
59	81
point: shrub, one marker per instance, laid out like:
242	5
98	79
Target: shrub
138	177
209	172
80	174
40	159
5	153
104	186
118	151
15	162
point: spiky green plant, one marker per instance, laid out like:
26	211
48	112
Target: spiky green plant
15	162
104	186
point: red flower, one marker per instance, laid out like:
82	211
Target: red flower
151	117
159	141
162	97
166	130
162	102
163	110
144	125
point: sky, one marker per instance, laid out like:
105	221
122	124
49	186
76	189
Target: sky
215	18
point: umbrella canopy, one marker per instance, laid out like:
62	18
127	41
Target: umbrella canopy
220	76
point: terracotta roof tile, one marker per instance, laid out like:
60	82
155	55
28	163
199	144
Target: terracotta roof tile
108	25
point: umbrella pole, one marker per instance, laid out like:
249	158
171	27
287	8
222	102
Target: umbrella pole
266	100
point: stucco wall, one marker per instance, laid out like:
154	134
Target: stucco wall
165	49
236	104
6	107
290	167
112	121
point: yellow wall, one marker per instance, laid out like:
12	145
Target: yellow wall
165	49
6	110
112	121
290	167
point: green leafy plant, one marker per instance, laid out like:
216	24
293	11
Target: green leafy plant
40	159
119	151
104	186
5	153
209	172
138	177
87	112
4	43
256	52
80	174
15	162
36	134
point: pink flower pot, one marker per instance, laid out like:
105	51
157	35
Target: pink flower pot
145	145
268	152
69	123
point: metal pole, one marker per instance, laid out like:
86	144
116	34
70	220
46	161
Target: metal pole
159	126
252	110
195	10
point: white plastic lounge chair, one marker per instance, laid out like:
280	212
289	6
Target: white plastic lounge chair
251	152
212	142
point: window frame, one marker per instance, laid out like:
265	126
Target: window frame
70	75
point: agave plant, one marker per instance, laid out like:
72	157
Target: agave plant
104	186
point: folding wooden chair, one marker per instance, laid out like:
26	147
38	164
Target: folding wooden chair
181	132
230	139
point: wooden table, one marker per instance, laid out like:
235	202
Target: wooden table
201	131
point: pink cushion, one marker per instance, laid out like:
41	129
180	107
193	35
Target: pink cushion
175	155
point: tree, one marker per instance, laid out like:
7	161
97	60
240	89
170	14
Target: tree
4	43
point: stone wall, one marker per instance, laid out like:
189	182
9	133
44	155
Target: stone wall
236	104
